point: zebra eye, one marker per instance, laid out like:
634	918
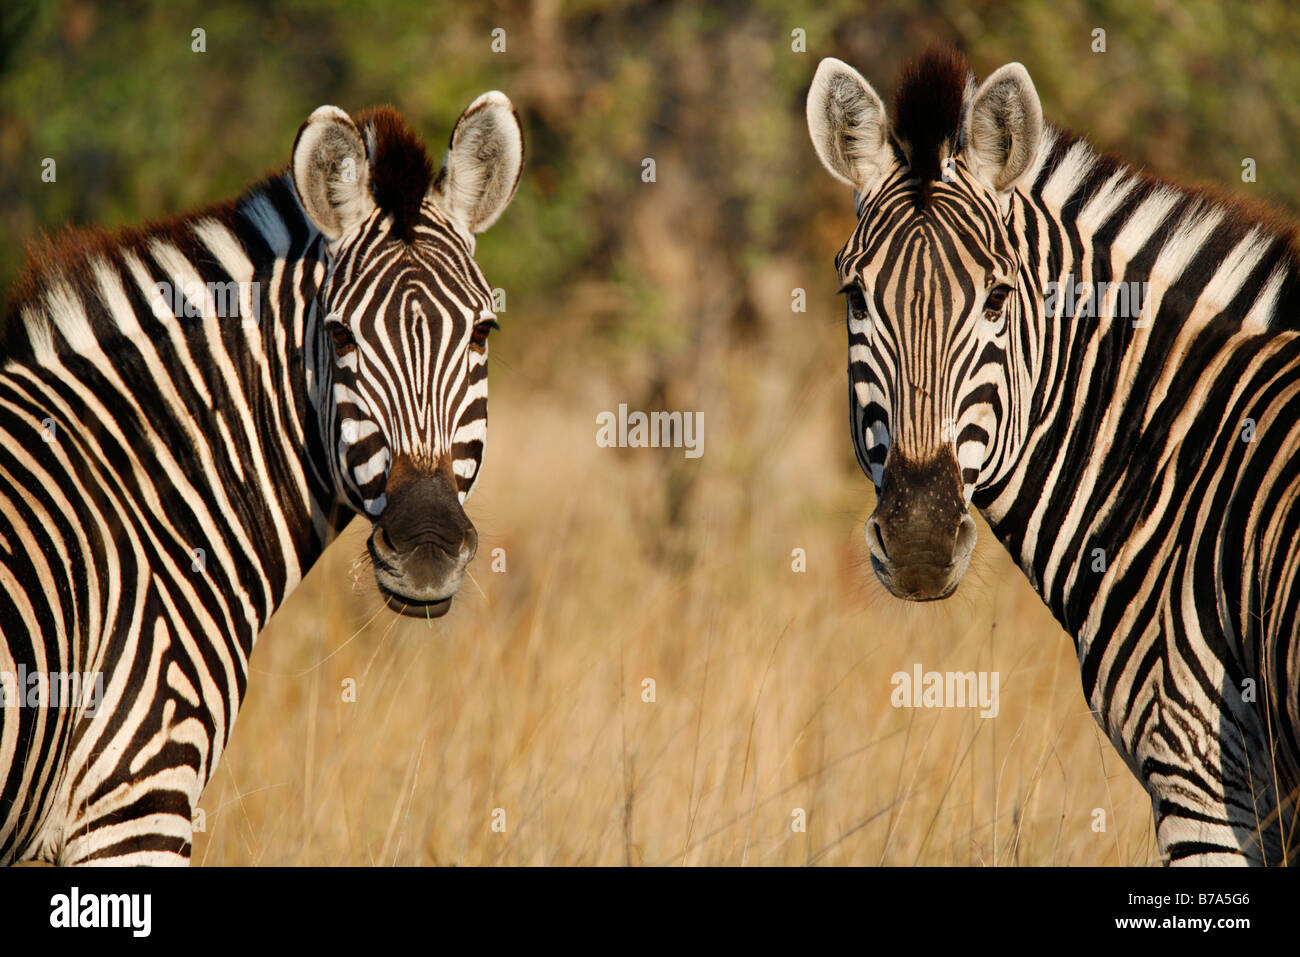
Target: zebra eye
341	336
997	298
856	300
478	338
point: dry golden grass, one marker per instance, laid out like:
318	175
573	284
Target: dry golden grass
772	687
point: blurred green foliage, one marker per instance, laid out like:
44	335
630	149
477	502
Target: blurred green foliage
141	126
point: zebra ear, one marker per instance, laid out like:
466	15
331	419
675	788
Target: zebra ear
846	120
484	161
331	173
1006	126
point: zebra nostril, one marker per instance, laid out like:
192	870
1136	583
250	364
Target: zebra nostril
966	535
876	539
381	536
469	544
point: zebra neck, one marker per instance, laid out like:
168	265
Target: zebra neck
187	392
1109	382
286	376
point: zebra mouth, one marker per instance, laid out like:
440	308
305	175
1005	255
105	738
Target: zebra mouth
918	583
412	608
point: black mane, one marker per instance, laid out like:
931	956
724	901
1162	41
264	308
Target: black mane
929	111
400	169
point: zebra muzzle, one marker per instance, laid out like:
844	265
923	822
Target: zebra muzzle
921	535
422	541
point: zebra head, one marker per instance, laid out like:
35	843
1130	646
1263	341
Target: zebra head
937	303
398	338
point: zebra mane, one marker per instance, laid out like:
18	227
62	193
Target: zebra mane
1228	232
62	263
930	110
400	169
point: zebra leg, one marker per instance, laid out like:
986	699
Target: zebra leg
142	820
141	762
1205	763
145	836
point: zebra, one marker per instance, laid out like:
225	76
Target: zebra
190	411
1139	461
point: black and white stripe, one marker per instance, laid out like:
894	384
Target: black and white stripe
167	479
1142	468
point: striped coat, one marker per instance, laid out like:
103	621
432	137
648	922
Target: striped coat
189	412
1107	367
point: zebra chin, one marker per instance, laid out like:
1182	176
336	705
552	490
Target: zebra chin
413	608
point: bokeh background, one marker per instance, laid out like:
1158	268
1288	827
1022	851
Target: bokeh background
772	686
